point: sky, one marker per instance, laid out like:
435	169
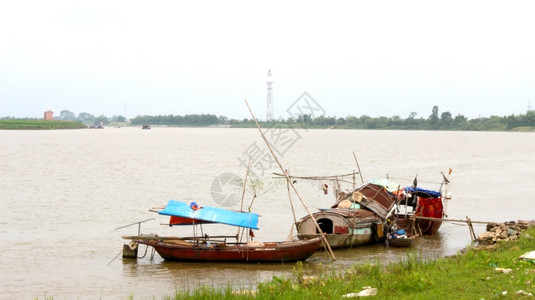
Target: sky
374	58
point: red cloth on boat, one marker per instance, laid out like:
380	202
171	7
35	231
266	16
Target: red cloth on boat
430	207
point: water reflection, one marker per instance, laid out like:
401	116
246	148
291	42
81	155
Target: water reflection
188	275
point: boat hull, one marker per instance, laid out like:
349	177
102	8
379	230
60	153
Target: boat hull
425	227
267	252
344	240
426	219
342	228
401	242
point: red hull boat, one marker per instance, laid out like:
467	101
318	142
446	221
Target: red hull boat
223	248
250	252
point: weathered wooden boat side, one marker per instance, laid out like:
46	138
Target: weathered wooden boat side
361	237
402	242
344	227
259	252
425	227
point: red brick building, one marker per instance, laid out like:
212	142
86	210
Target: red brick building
49	115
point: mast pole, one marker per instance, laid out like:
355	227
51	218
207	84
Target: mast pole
358	167
325	243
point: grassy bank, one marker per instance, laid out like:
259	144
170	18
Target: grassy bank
475	274
39	124
524	129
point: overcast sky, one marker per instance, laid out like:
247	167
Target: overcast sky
375	58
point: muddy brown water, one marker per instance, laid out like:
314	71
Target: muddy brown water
63	193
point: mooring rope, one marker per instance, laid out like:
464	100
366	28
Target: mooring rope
146	248
115	257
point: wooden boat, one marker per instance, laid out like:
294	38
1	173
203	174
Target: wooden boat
419	211
402	242
400	238
204	250
221	248
362	216
426	214
356	219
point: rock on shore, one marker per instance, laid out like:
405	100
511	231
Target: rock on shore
508	231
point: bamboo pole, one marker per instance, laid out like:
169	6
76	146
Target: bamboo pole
149	238
325	243
291	202
243	193
328	177
471	229
337	192
290	235
358	167
452	220
135	223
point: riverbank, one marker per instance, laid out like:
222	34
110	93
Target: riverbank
29	124
476	273
39	124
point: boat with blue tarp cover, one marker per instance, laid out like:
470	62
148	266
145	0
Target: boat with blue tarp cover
224	248
188	214
369	212
424	209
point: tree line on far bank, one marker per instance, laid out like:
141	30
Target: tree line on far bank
435	121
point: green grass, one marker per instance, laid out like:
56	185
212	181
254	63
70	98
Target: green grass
524	129
20	124
471	275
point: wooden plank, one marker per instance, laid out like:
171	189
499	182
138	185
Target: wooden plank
148	238
452	220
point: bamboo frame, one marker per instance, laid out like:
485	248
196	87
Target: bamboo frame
324	240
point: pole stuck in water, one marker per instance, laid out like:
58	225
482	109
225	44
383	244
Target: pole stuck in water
327	246
358	167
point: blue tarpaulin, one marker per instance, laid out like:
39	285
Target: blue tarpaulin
422	193
210	214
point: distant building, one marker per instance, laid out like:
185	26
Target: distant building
49	115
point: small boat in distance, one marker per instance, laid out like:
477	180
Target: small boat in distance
221	248
97	126
145	126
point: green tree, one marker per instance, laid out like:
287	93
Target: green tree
433	118
529	118
460	122
118	119
85	118
66	115
103	119
446	119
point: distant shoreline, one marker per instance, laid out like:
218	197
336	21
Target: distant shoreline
17	124
24	124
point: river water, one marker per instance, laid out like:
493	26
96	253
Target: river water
63	193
